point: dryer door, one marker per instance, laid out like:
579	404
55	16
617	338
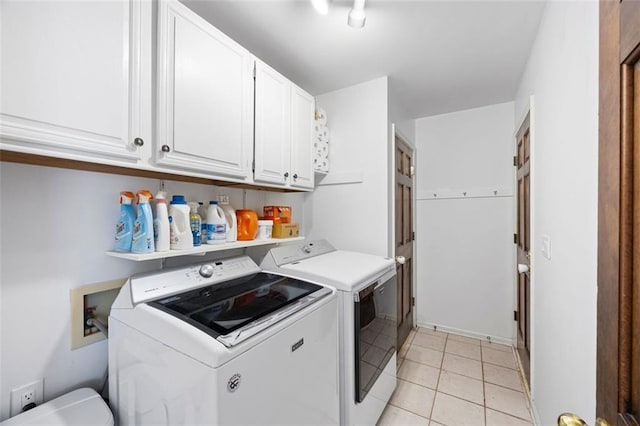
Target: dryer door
375	332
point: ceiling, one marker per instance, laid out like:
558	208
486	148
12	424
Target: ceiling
440	56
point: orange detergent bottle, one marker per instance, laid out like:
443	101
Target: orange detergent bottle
247	224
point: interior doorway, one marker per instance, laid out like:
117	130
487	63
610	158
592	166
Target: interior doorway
404	236
523	246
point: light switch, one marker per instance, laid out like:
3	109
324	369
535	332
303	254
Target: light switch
546	246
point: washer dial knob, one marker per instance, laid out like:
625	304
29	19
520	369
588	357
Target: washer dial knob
206	271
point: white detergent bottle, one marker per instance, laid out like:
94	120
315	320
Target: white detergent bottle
216	224
161	223
179	227
232	222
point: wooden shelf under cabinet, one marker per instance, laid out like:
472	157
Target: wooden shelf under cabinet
201	250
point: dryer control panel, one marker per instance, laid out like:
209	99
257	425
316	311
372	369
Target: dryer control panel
155	285
282	255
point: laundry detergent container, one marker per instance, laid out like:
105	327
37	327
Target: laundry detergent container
82	407
247	225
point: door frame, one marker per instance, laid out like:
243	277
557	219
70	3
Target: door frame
528	109
617	271
391	246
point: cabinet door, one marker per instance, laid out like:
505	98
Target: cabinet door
302	116
272	126
205	96
71	77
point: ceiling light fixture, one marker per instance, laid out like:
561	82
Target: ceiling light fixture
357	16
321	6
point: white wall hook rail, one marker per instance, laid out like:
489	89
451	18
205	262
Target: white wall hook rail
449	193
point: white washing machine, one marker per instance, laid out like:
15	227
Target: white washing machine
223	343
367	306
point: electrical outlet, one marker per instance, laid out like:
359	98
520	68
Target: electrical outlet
28	397
223	199
26	394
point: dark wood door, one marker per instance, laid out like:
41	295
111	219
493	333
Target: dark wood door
523	243
618	357
404	237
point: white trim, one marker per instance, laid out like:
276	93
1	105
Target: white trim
534	245
467	333
391	184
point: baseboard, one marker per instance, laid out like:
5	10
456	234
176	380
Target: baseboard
535	416
494	339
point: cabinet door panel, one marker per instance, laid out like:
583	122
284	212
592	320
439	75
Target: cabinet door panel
205	96
302	115
69	71
272	125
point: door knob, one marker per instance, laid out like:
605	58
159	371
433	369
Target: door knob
570	419
400	260
522	268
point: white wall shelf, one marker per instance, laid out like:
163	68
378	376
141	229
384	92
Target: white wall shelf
201	250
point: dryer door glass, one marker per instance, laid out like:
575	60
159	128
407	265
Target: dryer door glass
222	308
375	333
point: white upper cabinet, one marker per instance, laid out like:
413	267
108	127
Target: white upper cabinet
205	96
71	78
283	131
302	115
272	142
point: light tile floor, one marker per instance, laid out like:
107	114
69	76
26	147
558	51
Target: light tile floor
450	380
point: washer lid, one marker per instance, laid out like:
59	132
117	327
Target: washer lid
236	310
344	270
80	407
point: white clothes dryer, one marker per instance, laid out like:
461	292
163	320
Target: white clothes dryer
367	319
223	343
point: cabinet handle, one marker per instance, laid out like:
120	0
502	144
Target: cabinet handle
286	174
138	142
165	148
295	176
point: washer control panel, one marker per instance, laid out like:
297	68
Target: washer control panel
155	285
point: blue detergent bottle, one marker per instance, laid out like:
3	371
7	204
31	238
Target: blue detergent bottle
124	228
143	240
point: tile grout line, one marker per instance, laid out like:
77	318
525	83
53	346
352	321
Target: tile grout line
435	394
409	342
530	420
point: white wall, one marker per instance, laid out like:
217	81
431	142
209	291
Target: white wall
562	76
398	115
352	211
56	226
465	264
